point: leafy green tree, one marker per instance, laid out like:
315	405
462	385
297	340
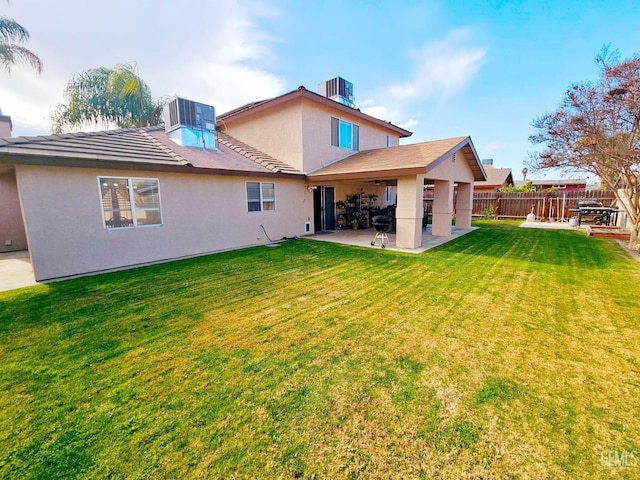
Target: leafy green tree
108	97
596	129
13	36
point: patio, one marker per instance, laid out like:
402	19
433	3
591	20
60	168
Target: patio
16	270
363	237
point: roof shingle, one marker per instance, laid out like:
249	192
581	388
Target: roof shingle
149	146
405	159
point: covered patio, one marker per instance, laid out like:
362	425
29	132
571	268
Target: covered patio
446	164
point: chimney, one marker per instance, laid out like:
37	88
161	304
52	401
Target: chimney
5	125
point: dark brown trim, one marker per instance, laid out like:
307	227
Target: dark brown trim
369	175
131	166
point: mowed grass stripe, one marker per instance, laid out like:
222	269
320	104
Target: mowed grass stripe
508	353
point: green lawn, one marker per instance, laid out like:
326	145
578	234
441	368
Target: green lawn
508	353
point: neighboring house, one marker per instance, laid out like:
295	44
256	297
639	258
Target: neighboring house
565	184
496	179
106	200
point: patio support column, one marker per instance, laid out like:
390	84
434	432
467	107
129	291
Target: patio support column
442	208
464	205
409	212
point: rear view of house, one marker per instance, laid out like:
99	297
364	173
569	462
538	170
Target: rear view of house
90	202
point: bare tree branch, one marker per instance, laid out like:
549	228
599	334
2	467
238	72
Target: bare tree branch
596	129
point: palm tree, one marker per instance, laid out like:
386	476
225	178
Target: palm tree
12	37
105	96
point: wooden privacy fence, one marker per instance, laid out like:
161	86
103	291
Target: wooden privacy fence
547	204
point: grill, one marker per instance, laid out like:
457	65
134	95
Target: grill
589	203
381	223
601	215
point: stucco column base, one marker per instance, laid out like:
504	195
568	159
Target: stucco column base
409	212
464	205
408	232
441	226
442	208
463	218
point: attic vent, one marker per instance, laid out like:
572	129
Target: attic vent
338	89
190	124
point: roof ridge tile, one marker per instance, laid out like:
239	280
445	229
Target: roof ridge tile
161	146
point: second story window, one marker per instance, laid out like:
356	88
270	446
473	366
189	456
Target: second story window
345	134
389	141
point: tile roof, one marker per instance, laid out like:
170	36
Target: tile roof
130	145
410	159
149	146
496	177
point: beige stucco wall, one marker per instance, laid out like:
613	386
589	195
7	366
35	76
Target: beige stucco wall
201	214
298	133
277	132
457	171
318	151
12	233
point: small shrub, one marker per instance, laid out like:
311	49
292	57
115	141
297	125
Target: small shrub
488	212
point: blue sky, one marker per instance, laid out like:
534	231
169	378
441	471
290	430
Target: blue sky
440	69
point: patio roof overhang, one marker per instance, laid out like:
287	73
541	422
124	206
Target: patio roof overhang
401	161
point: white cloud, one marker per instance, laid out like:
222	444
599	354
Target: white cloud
378	111
440	69
212	52
409	124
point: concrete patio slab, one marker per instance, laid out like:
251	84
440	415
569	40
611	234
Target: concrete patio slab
549	225
363	238
16	270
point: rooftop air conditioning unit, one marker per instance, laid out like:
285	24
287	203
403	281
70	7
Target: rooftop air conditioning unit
190	124
338	89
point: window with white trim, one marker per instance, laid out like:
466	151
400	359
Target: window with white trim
389	141
261	196
345	134
130	202
388	197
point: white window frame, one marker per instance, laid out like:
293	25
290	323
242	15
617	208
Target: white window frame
263	199
389	141
388	193
132	202
336	139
